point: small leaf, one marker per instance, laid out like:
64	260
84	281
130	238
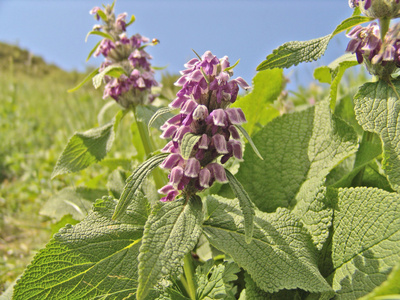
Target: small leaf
113	70
134	181
100	33
87	78
171	231
93	50
248	138
88	147
102	15
246	205
232	67
188	142
159	113
131	21
293	53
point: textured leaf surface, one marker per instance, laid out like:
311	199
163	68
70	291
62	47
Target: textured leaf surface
246	205
88	147
96	258
135	181
333	73
377	108
279	243
267	86
366	239
293	53
188	142
171	231
299	151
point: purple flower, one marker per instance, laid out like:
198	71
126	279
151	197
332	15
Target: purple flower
365	42
94	10
206	92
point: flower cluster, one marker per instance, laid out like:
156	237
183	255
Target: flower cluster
207	90
133	87
377	8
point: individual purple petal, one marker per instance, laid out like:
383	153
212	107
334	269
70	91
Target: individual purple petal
220	143
171	161
181	132
176	176
170	148
218	117
236	149
204	177
169	131
204	141
166	189
189	107
200	113
218	172
242	83
235	115
234	133
192	168
170	197
178	102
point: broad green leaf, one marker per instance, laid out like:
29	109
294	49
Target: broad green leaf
377	110
134	182
299	151
113	70
87	78
73	201
333	73
246	205
366	239
88	147
293	53
280	242
248	138
214	281
389	287
95	259
188	142
171	231
100	33
267	86
165	112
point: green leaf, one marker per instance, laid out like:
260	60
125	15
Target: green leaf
246	205
293	53
333	73
94	259
102	15
100	33
232	67
86	148
366	239
93	50
73	201
387	288
188	142
134	182
171	231
248	138
87	78
377	110
280	242
160	112
113	70
267	86
131	20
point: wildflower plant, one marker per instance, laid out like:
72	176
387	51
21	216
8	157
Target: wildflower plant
310	212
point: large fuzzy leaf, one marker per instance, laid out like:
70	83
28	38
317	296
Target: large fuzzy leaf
96	258
377	108
366	239
280	242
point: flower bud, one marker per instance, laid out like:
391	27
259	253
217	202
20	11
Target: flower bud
379	9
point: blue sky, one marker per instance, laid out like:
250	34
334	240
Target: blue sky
246	30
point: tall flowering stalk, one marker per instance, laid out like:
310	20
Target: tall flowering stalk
207	90
134	85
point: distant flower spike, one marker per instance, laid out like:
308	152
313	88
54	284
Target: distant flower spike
207	90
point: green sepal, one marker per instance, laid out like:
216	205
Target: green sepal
188	142
134	182
87	78
100	33
113	71
246	205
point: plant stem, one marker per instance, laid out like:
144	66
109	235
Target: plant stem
367	137
384	24
148	149
189	272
